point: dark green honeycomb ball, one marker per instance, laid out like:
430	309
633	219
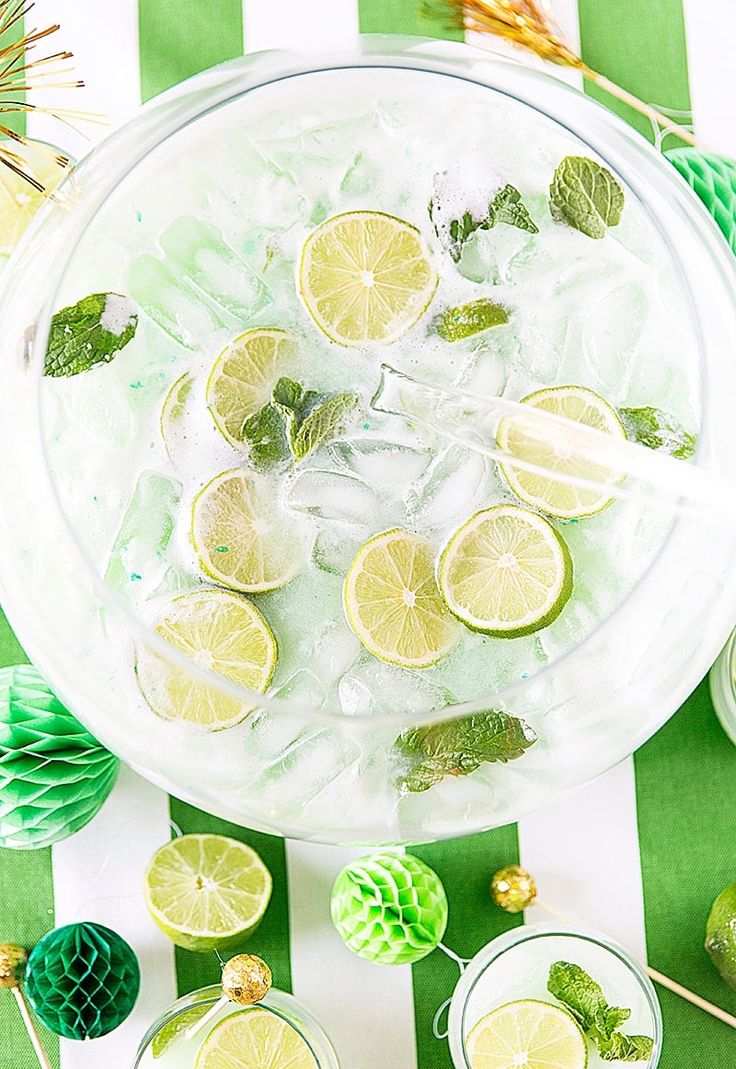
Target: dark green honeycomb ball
54	776
389	908
82	980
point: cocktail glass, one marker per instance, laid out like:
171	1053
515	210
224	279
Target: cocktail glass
723	687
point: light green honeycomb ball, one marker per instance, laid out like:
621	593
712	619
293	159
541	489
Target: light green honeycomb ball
389	908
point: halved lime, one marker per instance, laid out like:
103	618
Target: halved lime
243	377
206	891
392	602
217	630
241	540
172	413
255	1039
527	1034
506	572
554	449
366	277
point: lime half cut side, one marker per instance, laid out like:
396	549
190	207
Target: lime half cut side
255	1039
242	378
207	891
527	1035
555	449
219	631
506	572
366	277
392	602
241	539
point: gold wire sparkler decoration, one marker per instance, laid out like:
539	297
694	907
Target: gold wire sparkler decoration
20	73
531	26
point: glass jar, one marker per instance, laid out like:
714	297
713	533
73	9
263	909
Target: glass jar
516	965
723	687
167	1046
295	766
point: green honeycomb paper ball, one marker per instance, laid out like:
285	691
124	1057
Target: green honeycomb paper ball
54	775
389	908
82	980
714	180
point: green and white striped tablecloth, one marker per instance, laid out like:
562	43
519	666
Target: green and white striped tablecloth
641	853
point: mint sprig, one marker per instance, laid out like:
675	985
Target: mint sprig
265	434
586	196
296	422
459	747
583	997
506	206
657	429
89	332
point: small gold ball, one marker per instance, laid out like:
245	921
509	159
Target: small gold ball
12	965
246	979
513	888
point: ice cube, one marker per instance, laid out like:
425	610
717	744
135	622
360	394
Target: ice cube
449	488
379	462
172	303
335	651
201	252
303	687
145	531
332	552
360	178
175	580
332	495
374	687
611	332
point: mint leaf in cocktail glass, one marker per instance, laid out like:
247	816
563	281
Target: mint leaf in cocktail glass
313	419
89	332
504	206
459	747
623	1048
657	429
586	196
265	434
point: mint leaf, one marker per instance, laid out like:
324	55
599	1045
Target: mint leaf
623	1048
89	332
265	434
464	320
658	430
292	396
323	423
578	991
459	747
585	195
506	206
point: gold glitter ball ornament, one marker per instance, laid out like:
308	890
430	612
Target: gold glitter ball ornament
513	888
12	965
246	979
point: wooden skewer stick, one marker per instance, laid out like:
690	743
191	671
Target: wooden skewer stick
12	967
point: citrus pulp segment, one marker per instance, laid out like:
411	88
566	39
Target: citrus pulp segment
366	277
219	631
506	572
240	538
553	447
243	377
392	602
206	891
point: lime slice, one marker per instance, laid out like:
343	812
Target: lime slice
177	1027
241	539
366	277
392	602
206	891
465	320
554	450
172	413
506	572
243	377
255	1039
527	1035
219	631
19	201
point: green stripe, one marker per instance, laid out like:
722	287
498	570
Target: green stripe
178	38
465	867
271	939
642	48
685	779
16	121
410	17
26	906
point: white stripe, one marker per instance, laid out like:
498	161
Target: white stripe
104	40
583	851
98	876
711	30
367	1010
314	26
